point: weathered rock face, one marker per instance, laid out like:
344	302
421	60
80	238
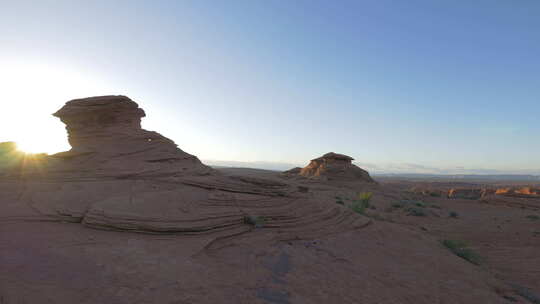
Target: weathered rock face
333	166
107	140
97	123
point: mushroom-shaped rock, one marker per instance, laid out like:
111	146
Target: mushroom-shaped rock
107	139
334	166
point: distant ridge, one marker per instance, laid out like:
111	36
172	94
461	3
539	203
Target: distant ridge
491	177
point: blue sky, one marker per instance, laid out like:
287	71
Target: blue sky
447	85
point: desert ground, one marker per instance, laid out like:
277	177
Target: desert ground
128	217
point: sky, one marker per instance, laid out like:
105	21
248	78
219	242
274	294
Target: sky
401	86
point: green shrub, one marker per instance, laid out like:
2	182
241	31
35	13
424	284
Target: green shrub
365	197
360	205
415	211
460	249
397	205
412	202
533	217
256	221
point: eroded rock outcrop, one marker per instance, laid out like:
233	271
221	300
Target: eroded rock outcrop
107	140
524	192
333	167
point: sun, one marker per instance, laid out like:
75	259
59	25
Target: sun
32	91
31	148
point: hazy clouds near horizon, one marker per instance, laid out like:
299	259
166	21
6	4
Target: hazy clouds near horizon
438	84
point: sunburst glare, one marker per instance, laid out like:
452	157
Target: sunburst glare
33	92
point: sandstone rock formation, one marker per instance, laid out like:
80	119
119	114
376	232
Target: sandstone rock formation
333	167
107	140
519	191
119	176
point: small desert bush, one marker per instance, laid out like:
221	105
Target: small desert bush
460	249
365	197
415	211
533	217
360	205
256	221
412	202
453	214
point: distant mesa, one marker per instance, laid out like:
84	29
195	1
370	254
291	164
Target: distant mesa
479	193
332	167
